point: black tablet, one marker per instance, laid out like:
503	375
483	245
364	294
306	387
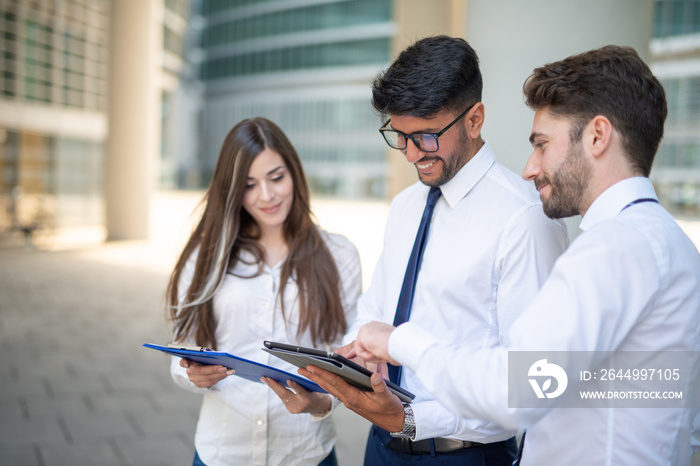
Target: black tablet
351	372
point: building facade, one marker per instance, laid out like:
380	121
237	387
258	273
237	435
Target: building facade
53	82
307	65
54	105
70	122
675	49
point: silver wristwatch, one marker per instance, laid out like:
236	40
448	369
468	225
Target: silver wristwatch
409	424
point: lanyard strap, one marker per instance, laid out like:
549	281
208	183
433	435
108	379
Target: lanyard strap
639	201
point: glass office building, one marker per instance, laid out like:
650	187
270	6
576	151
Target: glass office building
307	65
175	73
675	52
53	82
54	75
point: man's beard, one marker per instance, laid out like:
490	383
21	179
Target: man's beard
452	163
568	185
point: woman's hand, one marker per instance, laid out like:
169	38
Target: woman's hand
204	376
298	399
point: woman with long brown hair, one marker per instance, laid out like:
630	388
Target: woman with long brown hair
258	268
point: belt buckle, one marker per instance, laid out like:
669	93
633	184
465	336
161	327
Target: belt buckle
449	445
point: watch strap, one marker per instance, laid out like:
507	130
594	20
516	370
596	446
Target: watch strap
409	424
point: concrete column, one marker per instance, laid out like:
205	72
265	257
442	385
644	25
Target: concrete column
513	37
134	109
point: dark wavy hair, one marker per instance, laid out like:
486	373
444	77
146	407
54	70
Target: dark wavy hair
612	81
226	228
434	74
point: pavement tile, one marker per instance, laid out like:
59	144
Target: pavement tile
102	453
11	407
21	431
131	382
170	422
19	455
110	403
29	386
181	400
156	451
41	407
98	426
63	383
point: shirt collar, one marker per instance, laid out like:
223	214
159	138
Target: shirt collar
468	176
247	265
615	198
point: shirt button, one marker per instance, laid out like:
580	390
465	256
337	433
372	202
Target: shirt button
260	422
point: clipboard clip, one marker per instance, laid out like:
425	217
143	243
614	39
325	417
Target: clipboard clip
189	348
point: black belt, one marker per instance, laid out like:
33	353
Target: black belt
442	445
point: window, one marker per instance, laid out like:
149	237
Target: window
675	17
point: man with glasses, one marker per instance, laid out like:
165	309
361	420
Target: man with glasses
487	250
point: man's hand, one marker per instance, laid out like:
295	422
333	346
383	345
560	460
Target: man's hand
372	343
298	399
380	406
344	351
347	351
204	376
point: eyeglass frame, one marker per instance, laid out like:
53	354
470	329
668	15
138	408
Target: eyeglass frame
406	137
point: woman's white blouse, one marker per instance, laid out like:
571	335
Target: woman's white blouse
244	422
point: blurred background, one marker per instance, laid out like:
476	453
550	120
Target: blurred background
103	103
112	113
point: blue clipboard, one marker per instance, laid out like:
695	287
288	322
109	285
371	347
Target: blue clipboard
249	370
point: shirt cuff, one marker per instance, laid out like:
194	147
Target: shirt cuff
322	416
408	343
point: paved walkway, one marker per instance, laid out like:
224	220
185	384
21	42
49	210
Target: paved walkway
77	388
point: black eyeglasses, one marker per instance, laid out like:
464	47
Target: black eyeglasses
426	142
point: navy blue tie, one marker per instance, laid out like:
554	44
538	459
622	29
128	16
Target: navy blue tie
403	308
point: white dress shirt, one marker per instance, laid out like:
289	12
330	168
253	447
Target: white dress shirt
629	282
489	250
243	422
